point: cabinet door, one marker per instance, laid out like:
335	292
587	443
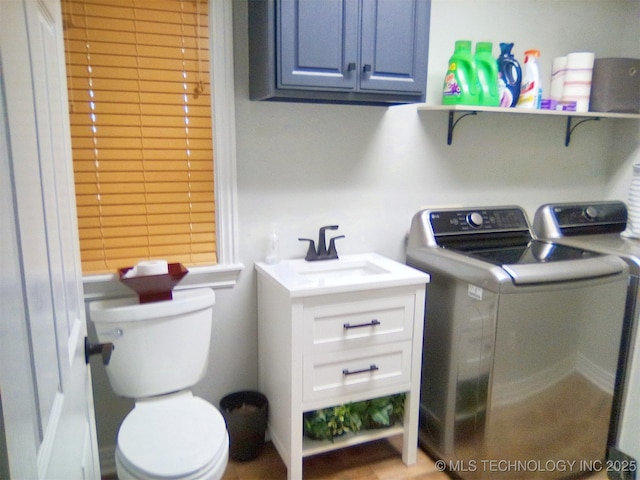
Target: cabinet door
395	45
317	44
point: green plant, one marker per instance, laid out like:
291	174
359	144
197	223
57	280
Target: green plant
316	424
380	412
327	423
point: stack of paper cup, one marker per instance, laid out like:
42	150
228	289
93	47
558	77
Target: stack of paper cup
577	80
633	217
558	73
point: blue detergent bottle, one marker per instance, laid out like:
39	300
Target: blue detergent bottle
509	76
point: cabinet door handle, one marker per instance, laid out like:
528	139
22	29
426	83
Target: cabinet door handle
372	323
372	368
366	68
351	66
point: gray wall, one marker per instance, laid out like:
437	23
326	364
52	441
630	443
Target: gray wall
369	169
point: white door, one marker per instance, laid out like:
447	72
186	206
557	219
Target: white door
45	384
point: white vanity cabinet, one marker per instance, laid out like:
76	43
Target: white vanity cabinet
331	338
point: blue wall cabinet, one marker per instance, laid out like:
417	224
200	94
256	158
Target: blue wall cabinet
346	51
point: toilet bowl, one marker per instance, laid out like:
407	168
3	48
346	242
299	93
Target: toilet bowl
179	436
160	350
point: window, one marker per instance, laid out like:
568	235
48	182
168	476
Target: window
226	272
138	81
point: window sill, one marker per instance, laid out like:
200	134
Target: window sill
99	287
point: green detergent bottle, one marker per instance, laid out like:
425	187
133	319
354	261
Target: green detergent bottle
461	81
487	69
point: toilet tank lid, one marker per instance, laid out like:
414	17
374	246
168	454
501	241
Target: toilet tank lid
175	437
130	309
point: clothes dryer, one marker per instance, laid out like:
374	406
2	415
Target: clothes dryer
598	226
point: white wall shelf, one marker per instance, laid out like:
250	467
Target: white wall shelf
466	110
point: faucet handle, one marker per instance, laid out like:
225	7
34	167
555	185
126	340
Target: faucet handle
311	252
332	252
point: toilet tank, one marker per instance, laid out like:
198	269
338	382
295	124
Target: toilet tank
159	347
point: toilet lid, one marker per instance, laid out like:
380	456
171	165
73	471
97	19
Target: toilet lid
172	437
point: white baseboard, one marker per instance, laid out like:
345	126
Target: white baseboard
522	388
597	375
518	390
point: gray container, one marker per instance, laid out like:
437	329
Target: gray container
615	86
245	414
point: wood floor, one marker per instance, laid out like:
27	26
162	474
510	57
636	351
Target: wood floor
378	460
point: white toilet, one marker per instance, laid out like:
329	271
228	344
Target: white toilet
161	350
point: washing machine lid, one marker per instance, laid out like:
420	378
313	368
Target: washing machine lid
171	437
481	239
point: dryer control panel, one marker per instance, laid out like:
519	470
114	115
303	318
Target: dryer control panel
485	220
569	219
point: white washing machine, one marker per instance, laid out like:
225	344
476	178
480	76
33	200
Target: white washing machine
597	226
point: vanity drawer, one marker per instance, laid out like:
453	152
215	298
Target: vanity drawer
366	321
333	374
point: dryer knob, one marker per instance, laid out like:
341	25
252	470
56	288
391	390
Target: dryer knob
475	219
591	213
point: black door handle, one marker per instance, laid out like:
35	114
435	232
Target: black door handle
104	349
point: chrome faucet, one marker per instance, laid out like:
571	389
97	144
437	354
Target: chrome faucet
322	253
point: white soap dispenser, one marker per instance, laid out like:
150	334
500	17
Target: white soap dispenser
273	245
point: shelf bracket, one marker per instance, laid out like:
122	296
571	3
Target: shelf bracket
452	124
570	129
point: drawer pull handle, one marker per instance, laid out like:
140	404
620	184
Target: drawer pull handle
372	323
372	368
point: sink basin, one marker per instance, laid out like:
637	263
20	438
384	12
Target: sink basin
347	273
339	270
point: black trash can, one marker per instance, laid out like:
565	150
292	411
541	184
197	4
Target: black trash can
246	416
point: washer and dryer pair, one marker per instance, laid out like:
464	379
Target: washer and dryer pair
521	346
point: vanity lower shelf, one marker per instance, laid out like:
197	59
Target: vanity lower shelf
313	447
467	110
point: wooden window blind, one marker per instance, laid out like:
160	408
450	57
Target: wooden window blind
140	110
